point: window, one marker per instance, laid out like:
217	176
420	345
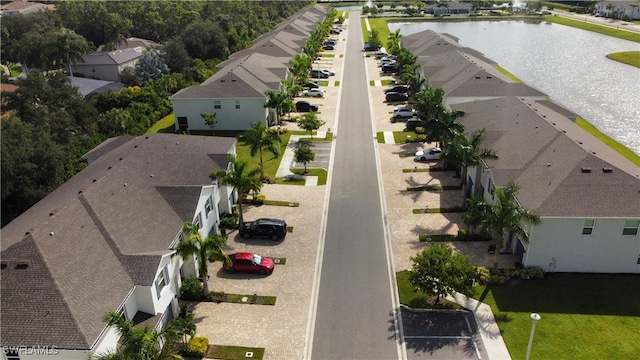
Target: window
237	104
198	221
183	123
216	104
631	227
161	281
587	228
207	208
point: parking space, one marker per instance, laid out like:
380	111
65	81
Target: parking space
322	150
438	335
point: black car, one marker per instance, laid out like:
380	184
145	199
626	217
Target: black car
330	42
389	68
369	47
413	123
396	97
397	88
306	106
274	229
328	47
311	85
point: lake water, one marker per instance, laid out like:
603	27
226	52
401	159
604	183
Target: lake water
566	63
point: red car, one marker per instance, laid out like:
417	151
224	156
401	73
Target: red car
250	262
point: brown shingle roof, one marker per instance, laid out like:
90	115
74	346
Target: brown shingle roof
89	243
544	151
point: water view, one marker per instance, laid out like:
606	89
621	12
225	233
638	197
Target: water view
566	63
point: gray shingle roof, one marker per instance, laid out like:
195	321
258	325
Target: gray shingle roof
544	152
248	77
115	57
94	238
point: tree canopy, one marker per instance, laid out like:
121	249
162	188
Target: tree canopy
439	271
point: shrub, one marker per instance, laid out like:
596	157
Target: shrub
463	235
497	280
535	273
191	289
482	275
418	302
217	297
197	347
229	221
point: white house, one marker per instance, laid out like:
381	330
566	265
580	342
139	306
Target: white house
236	93
627	10
103	242
587	195
107	65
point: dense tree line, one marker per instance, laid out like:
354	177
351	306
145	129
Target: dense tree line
49	125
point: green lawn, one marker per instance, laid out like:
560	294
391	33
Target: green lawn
584	316
626	152
233	352
618	32
510	75
627	57
166	124
270	161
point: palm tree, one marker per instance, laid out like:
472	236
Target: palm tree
210	247
475	214
465	152
411	75
276	100
240	178
291	87
428	102
141	343
393	42
300	66
406	57
260	139
69	47
504	215
610	6
116	30
444	128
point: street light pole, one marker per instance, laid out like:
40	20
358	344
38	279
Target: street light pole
535	317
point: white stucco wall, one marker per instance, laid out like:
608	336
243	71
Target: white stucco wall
108	343
228	117
101	72
560	241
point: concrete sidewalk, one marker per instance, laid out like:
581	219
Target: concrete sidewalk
487	327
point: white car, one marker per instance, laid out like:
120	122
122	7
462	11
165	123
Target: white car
328	71
403	113
313	93
428	154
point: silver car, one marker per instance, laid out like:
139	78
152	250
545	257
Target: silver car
428	154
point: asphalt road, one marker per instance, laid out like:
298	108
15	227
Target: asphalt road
355	313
